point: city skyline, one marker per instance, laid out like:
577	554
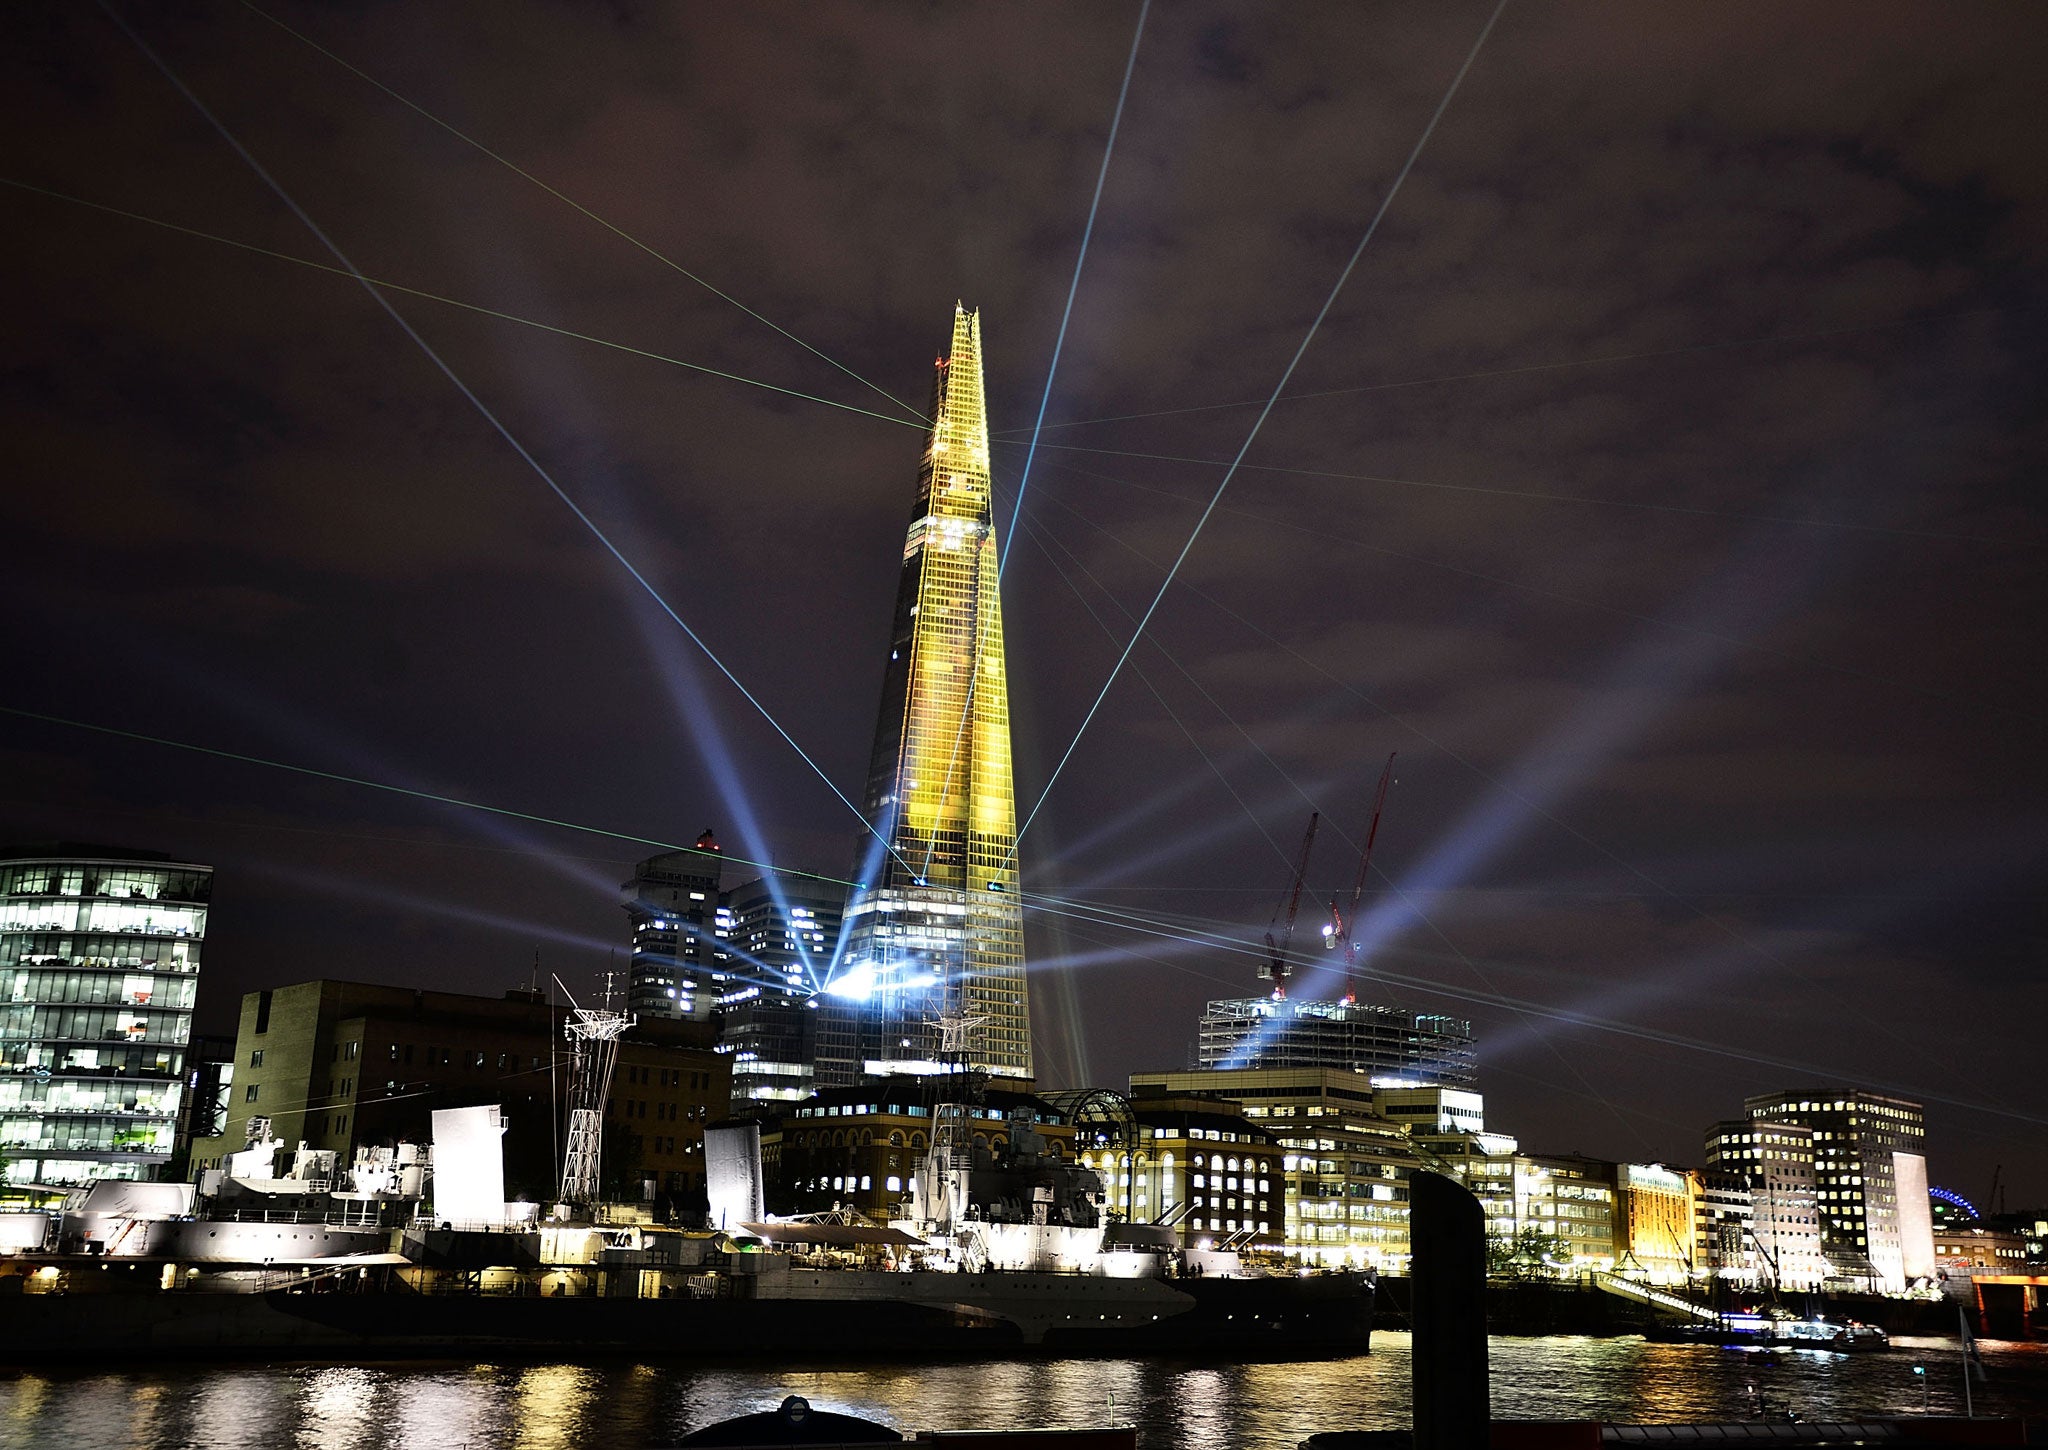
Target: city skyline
1654	485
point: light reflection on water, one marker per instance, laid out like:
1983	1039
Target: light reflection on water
1196	1406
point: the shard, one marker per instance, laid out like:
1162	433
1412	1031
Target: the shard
936	926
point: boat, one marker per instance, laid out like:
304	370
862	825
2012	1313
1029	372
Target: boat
1746	1331
993	1259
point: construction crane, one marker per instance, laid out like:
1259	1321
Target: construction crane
1341	926
1276	962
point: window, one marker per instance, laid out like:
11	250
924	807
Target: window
256	1058
249	1092
349	1051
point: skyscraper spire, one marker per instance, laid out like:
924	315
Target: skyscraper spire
936	923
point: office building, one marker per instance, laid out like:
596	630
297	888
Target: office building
1655	1210
1391	1043
1345	1164
99	967
338	1066
935	925
1773	1222
1870	1181
672	906
779	934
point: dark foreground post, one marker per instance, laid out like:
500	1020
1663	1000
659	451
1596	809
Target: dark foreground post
1447	1236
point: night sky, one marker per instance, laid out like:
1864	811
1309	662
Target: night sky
1664	485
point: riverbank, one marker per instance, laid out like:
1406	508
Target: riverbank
1534	1308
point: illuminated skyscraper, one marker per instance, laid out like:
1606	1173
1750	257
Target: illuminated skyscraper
936	923
678	965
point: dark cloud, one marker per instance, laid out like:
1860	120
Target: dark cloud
1664	486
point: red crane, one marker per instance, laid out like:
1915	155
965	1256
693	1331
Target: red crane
1277	966
1339	929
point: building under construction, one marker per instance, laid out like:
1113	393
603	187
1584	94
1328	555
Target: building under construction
1390	1043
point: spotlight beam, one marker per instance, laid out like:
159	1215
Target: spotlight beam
1325	535
1146	680
1116	120
478	403
1231	472
567	200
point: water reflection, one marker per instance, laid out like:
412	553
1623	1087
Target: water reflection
1180	1405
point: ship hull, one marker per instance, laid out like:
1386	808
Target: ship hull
976	1316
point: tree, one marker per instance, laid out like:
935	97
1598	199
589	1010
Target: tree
1530	1254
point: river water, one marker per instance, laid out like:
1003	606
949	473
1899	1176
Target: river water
1177	1406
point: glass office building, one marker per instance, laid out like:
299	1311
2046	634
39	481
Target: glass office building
99	966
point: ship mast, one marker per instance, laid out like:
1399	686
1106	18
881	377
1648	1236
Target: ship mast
593	1035
942	1177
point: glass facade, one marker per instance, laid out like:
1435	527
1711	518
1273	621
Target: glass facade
1386	1042
936	922
677	962
780	935
99	966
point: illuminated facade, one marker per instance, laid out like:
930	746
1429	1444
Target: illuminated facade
1870	1181
1344	1163
779	933
99	964
1769	1232
936	922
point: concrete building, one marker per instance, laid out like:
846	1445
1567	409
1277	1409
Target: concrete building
779	933
99	968
671	904
342	1065
1775	1220
1870	1182
1390	1043
936	923
1655	1208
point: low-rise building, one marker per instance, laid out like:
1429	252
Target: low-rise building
1654	1212
1346	1167
342	1065
860	1147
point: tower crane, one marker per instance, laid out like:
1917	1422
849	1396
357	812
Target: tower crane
1277	966
1340	927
